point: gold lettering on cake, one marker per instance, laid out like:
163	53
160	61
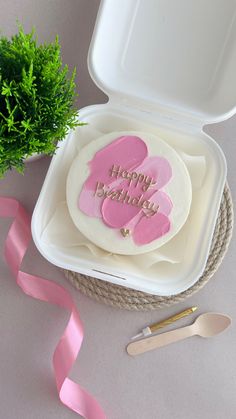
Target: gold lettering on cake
125	232
122	196
132	177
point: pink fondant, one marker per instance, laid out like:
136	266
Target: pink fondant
89	203
162	199
158	168
145	231
127	152
159	225
130	153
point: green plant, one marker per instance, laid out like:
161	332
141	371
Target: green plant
36	99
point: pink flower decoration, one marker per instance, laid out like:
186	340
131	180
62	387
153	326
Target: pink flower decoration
131	155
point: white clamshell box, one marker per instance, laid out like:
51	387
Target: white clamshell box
168	68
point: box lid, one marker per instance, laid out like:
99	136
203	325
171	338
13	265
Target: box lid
168	57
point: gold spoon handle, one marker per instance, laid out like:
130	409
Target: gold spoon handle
153	342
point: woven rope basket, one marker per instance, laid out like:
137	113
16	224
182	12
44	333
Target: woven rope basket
126	298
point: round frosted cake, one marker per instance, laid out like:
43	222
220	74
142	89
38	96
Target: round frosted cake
128	192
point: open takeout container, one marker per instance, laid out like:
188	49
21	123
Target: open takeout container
168	68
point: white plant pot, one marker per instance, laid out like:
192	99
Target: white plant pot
34	157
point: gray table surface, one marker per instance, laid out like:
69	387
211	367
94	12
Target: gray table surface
193	379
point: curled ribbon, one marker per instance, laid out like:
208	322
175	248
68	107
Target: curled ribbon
70	393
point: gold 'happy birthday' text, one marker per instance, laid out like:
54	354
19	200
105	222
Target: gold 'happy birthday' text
132	177
122	196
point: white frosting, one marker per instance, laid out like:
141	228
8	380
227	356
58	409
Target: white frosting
179	189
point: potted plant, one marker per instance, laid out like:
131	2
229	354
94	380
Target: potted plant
36	99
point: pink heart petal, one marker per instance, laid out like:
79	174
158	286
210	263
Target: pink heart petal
149	229
157	168
161	199
127	151
90	204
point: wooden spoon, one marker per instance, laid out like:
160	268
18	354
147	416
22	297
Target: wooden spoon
206	325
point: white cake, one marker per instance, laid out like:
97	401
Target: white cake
128	192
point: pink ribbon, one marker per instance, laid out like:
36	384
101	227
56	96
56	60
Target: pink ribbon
17	241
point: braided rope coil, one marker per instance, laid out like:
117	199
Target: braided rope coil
129	299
